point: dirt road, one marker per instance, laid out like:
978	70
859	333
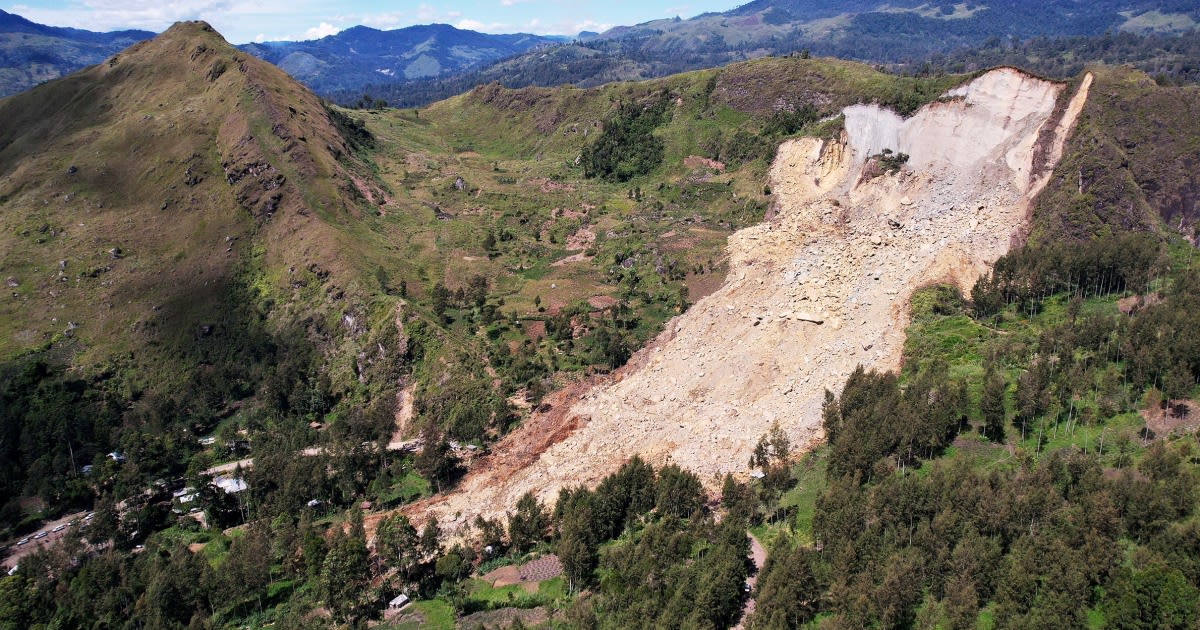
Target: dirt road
758	556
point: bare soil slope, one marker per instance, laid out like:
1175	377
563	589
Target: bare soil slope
811	294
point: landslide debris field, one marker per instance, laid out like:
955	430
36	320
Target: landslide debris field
820	287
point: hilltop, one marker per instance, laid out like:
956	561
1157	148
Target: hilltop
171	216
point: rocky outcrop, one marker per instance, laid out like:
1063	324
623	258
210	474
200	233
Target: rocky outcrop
819	289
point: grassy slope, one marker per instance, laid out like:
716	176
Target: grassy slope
515	151
131	155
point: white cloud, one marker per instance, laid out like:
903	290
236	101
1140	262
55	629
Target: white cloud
260	38
380	20
476	25
233	18
114	14
324	29
537	27
426	13
509	3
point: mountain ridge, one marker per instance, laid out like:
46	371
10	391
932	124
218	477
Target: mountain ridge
31	53
161	204
360	54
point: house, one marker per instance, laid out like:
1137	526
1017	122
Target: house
231	485
398	602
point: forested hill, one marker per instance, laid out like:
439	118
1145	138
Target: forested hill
904	34
31	53
363	55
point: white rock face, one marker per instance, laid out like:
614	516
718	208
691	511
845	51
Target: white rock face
992	117
810	295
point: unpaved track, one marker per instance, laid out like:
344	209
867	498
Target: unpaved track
821	288
758	556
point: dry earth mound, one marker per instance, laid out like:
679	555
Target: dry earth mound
821	288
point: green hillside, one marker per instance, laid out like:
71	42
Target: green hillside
207	266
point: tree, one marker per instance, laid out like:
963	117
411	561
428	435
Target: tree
679	492
576	549
991	405
737	499
453	566
345	578
1158	597
627	147
435	462
18	603
247	569
312	545
440	299
1178	382
528	525
397	544
788	593
431	538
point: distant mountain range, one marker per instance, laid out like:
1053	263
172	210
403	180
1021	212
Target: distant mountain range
901	33
418	64
361	55
31	53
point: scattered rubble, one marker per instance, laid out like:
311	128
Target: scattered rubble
822	287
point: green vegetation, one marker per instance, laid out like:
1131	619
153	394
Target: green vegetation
627	146
890	162
1061	510
1126	175
433	275
1056	39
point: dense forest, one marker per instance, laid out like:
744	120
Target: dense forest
910	531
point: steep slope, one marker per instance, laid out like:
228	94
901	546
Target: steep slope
1132	163
167	215
31	53
159	154
817	290
362	55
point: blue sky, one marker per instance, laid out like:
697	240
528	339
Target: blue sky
248	20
